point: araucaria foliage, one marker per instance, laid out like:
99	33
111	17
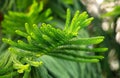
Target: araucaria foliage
45	39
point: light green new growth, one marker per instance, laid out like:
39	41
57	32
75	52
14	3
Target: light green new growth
79	21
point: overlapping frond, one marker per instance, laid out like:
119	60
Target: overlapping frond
16	20
48	40
59	43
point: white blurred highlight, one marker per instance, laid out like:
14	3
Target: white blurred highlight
99	1
118	25
105	25
118	37
113	60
